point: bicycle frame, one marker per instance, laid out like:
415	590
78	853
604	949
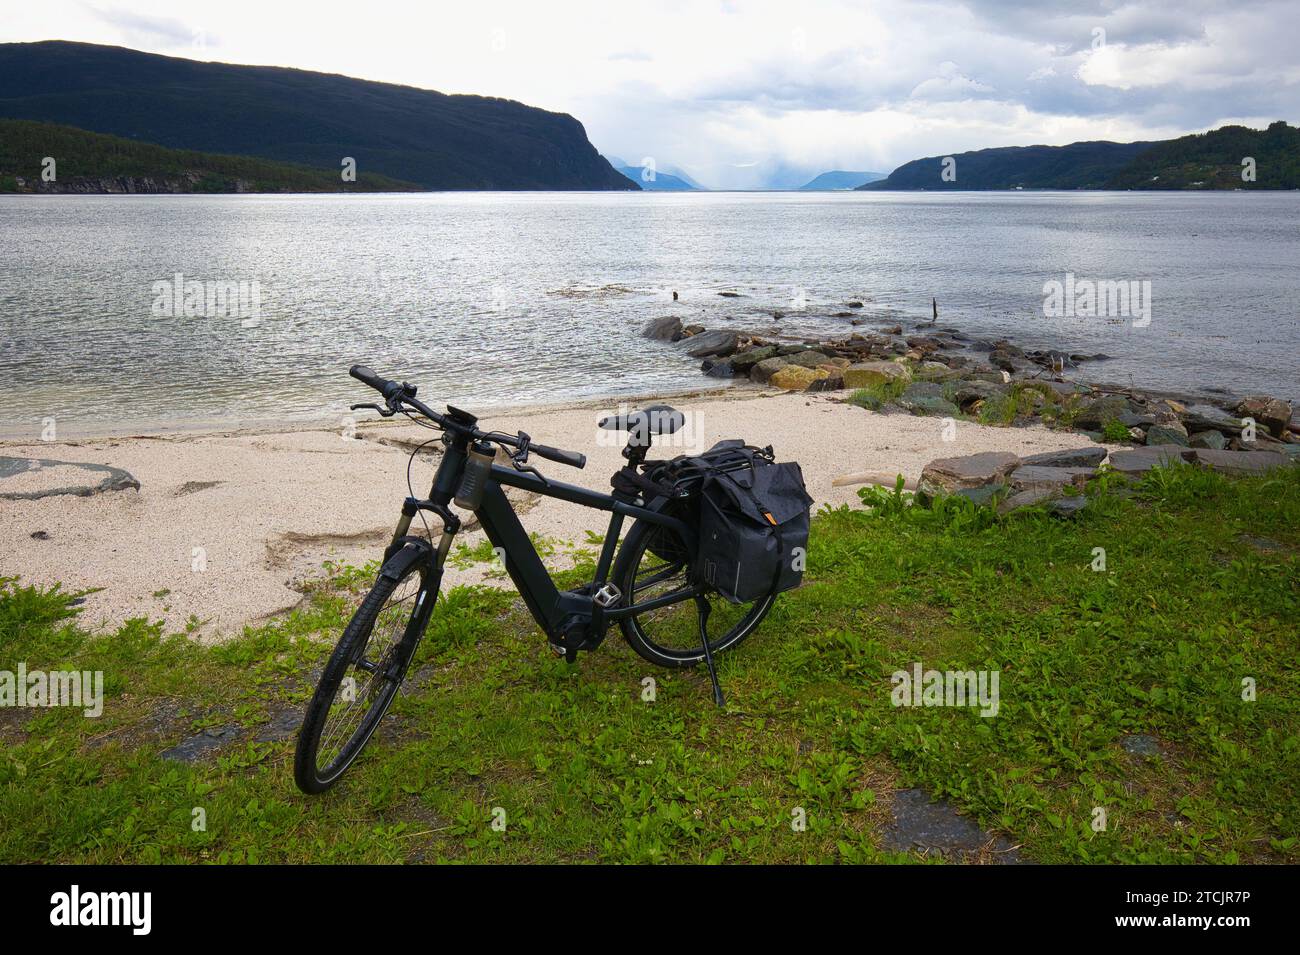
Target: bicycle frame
556	612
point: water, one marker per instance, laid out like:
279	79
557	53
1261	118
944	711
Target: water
494	298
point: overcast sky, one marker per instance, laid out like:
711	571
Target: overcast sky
727	90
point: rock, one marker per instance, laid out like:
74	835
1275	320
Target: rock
1140	744
742	362
920	824
1036	475
194	748
1141	460
870	374
765	369
796	377
1211	440
947	475
1067	506
935	407
1207	417
1274	413
45	535
1240	462
282	726
690	330
666	329
720	369
853	304
718	342
832	382
969	391
981	496
1097	412
935	371
726	295
809	359
1167	429
1027	498
1075	458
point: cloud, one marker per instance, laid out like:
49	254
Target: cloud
823	84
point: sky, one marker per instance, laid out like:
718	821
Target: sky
737	92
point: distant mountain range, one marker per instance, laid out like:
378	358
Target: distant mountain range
93	163
838	179
431	139
1212	160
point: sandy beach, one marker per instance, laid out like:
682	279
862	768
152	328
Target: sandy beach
226	526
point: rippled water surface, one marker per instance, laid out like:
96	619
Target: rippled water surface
488	299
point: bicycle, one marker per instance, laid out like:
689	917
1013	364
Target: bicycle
646	585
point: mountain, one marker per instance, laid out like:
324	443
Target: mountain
92	162
1213	160
662	181
838	179
1076	166
1210	160
434	140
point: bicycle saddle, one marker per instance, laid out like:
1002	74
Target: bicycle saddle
656	419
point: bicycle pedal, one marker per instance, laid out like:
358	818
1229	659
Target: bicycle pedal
607	596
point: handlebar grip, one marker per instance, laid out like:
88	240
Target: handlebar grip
572	458
367	377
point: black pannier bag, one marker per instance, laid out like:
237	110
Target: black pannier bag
753	518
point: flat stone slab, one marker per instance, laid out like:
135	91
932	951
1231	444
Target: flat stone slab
1142	460
1240	462
1032	475
1140	744
283	725
196	747
971	470
1027	498
33	478
923	825
1074	458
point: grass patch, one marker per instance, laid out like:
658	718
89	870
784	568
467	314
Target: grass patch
1189	605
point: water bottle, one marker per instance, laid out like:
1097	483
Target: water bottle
478	467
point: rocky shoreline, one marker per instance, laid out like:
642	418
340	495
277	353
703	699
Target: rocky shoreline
937	370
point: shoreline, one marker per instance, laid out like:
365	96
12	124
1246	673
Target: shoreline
226	527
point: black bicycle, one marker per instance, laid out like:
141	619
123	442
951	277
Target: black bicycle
647	584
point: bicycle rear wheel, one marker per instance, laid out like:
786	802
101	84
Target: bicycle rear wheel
361	678
653	562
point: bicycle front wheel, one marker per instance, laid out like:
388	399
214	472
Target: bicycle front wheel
361	678
653	562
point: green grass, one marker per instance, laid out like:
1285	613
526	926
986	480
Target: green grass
1200	590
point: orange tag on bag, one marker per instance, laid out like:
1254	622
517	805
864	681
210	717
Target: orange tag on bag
770	519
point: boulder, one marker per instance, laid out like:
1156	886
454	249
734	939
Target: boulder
1210	440
947	475
765	369
809	359
1167	429
935	371
666	329
1273	413
742	362
1074	458
1027	498
720	369
1240	462
1141	460
969	391
1201	417
718	342
832	382
870	374
1094	414
796	377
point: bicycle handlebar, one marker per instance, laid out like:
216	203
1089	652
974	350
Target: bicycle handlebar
397	394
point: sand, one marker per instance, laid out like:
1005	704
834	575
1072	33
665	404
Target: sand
227	526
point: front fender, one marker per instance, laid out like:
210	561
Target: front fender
402	553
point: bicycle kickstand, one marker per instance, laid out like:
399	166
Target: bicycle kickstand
702	604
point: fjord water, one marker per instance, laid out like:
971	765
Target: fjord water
486	299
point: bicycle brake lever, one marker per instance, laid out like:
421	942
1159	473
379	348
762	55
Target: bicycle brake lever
384	412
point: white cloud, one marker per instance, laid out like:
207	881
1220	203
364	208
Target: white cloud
825	84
